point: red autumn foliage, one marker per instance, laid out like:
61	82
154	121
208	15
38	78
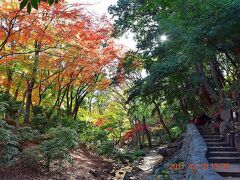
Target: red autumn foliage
139	127
100	122
109	129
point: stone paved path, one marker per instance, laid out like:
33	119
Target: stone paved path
142	170
150	160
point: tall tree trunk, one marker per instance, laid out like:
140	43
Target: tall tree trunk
16	93
90	105
20	109
67	100
17	89
9	79
216	78
205	97
55	104
147	133
30	84
183	107
162	121
77	105
71	100
204	80
138	135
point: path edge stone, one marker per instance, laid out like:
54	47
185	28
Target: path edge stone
193	152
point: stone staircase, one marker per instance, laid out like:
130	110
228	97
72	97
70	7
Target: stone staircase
223	158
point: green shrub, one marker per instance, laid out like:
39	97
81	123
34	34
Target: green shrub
10	140
43	123
181	120
133	155
94	135
176	132
165	174
68	121
162	136
57	147
32	157
106	148
40	120
4	125
8	105
76	124
9	154
27	134
3	108
9	150
139	153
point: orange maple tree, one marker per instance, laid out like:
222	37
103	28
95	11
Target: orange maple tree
55	56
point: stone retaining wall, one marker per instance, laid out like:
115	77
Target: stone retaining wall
193	151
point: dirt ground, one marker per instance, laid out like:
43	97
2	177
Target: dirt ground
86	166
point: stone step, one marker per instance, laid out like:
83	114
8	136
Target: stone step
226	158
223	154
223	159
232	170
213	140
203	134
212	136
204	130
219	144
208	133
204	127
216	148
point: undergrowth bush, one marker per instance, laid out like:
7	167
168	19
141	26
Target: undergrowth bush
94	135
176	132
27	134
132	156
40	120
43	123
8	105
56	148
106	148
9	150
10	141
